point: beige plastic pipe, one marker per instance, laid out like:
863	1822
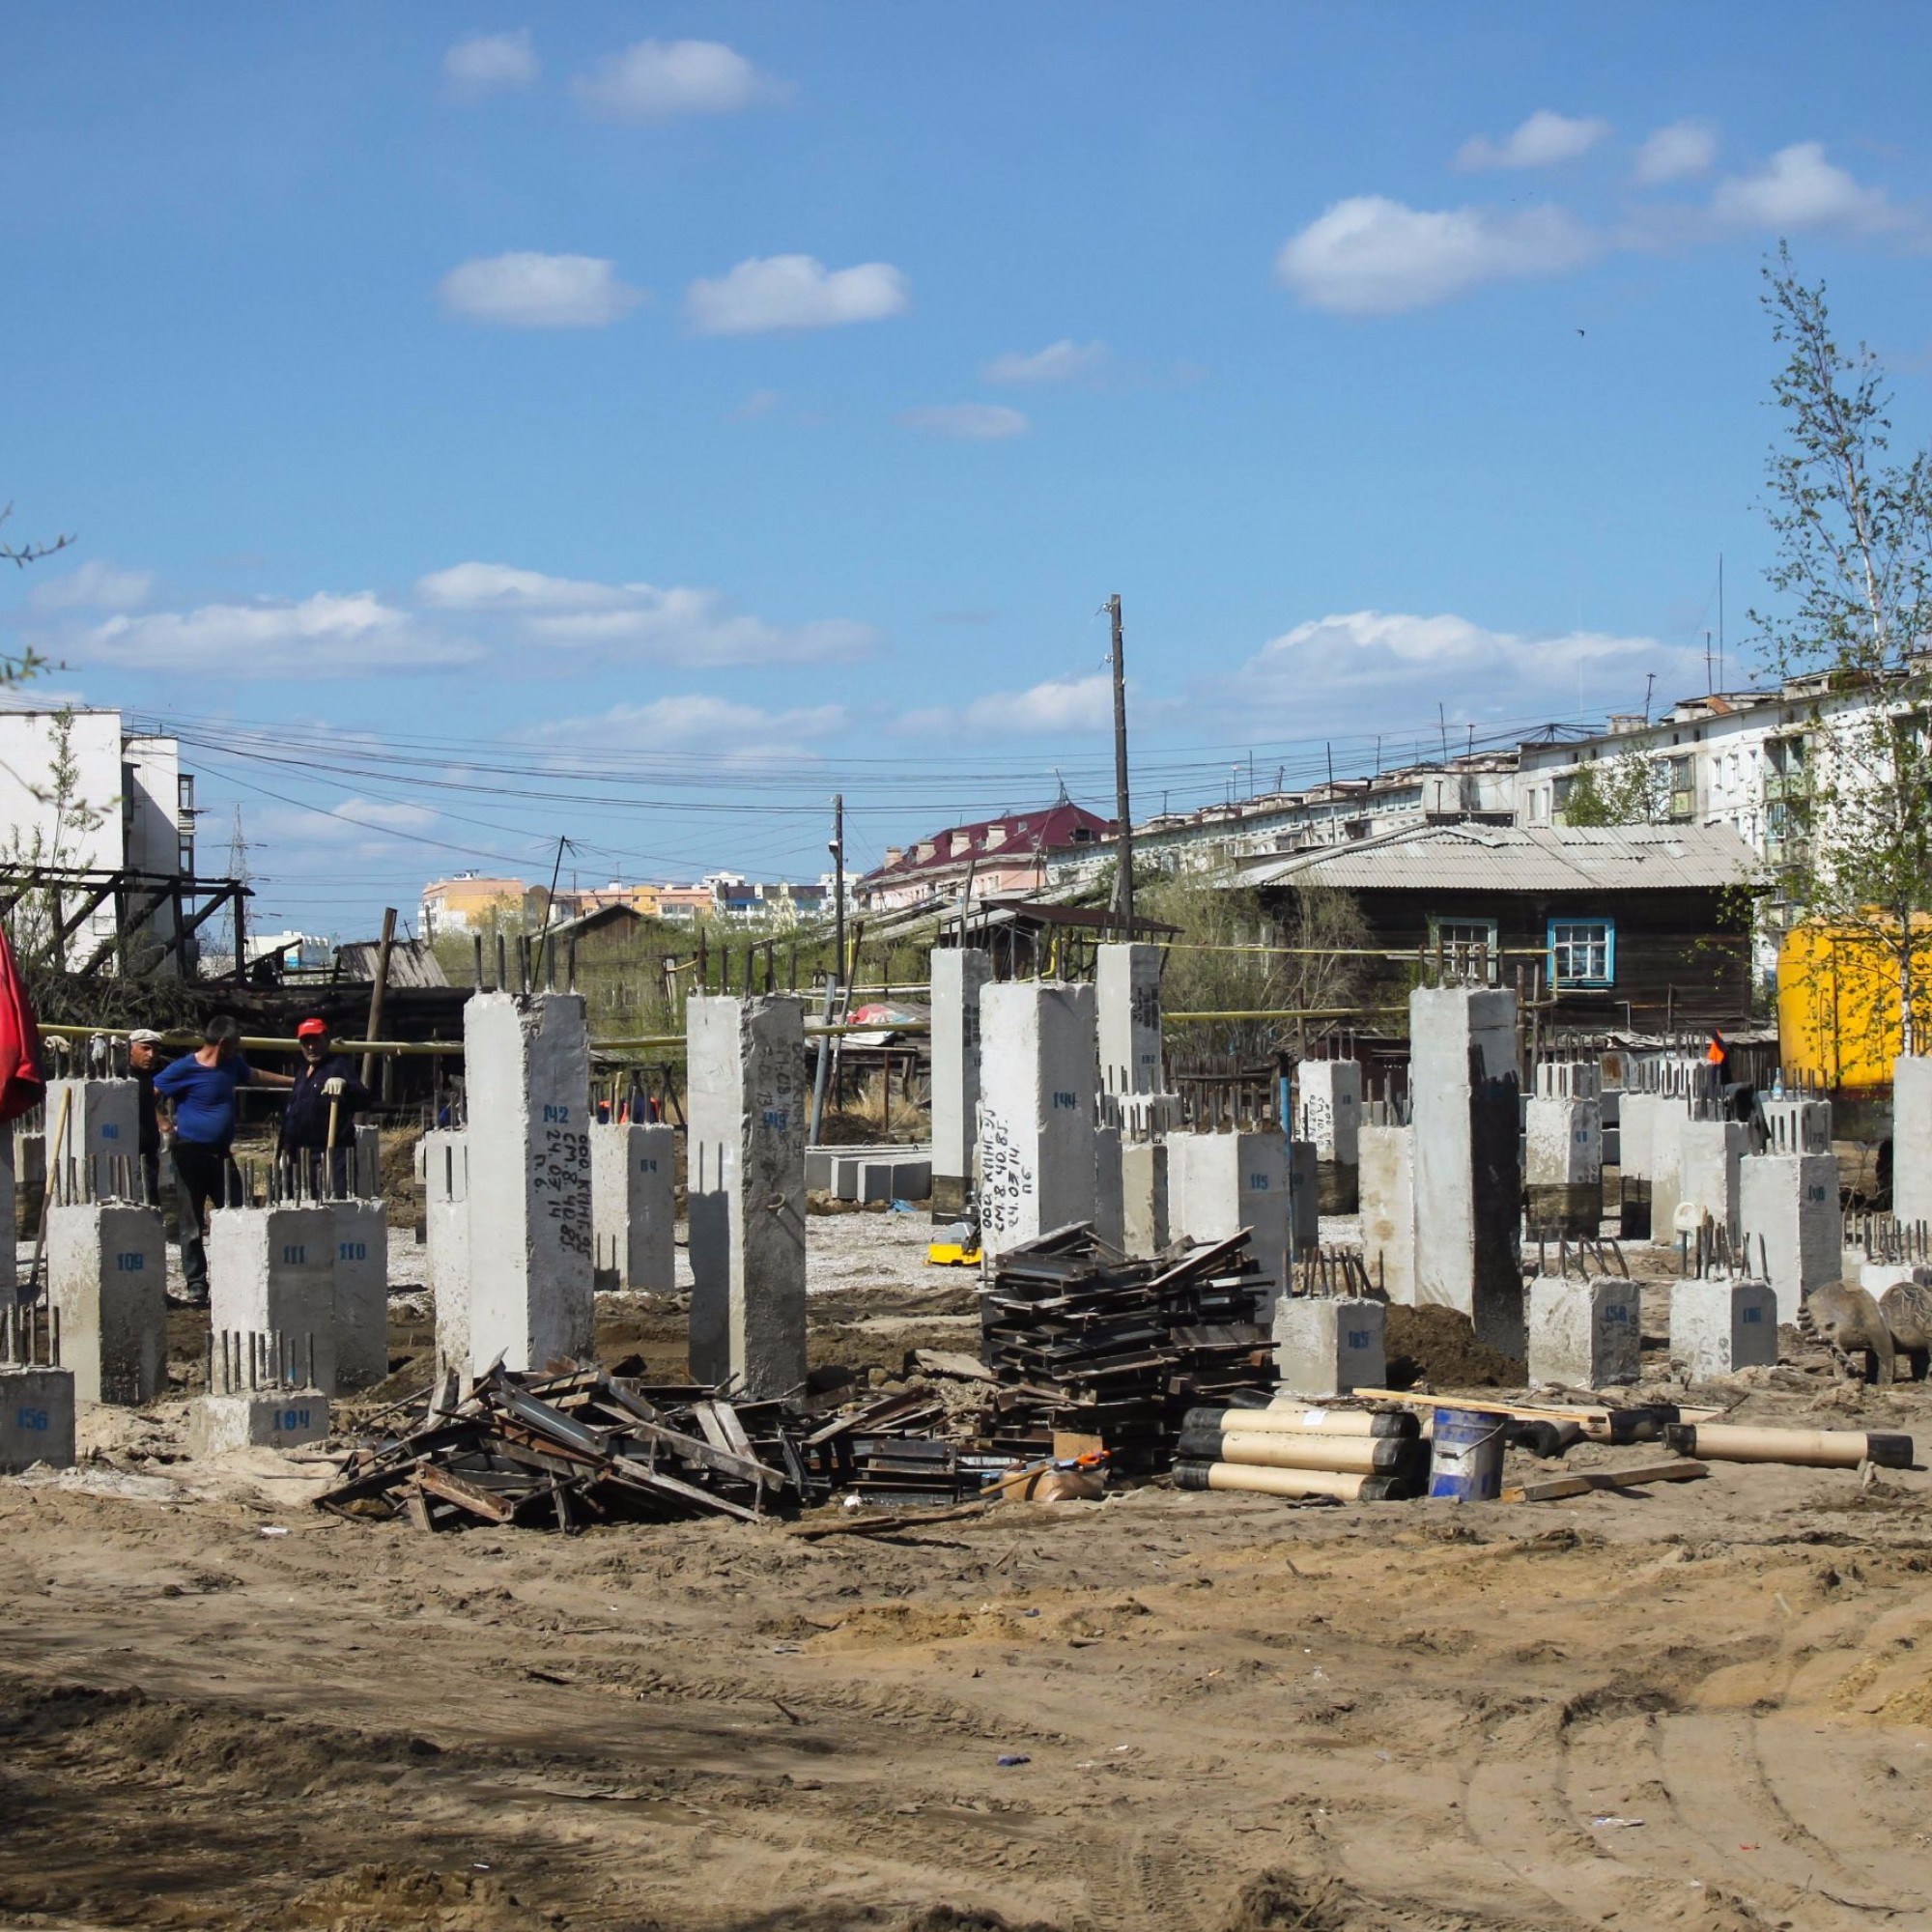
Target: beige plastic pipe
1353	1454
1810	1448
1300	1420
1288	1482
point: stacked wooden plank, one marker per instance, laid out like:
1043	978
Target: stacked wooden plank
1087	1341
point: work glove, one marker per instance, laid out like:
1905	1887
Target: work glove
334	1090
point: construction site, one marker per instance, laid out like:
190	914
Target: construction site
1485	1498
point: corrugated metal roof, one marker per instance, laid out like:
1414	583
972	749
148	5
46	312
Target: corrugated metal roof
1518	859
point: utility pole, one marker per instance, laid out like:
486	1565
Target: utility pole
1123	831
238	870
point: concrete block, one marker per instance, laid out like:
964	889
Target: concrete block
108	1274
1328	1346
1469	1176
366	1173
1795	1127
256	1419
362	1229
634	1204
958	976
1718	1327
1792	1229
817	1172
1707	1153
1037	1075
30	1185
1126	988
745	1169
1329	1108
1143	1197
1636	1116
36	1418
526	1064
1563	1162
1666	1167
272	1270
104	1120
1910	1137
1304	1197
444	1154
1585	1333
894	1177
1219	1183
1110	1204
1389	1210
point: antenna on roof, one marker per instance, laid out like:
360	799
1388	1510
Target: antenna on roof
1063	799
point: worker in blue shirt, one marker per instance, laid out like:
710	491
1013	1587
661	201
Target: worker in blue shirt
321	1115
200	1086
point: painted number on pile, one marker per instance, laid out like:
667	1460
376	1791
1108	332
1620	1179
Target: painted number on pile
130	1264
1060	1099
1258	1183
1753	1314
558	1114
1359	1338
1614	1313
290	1418
649	1166
778	1118
31	1418
294	1253
353	1251
109	1131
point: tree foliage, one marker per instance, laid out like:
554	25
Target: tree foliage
1621	792
1854	567
1230	957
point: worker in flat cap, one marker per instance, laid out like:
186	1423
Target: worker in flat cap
319	1127
144	1061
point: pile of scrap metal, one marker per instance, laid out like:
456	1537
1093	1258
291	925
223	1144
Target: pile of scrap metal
1086	1341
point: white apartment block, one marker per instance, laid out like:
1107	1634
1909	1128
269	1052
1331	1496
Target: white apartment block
130	808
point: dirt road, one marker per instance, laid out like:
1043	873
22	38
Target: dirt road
1702	1707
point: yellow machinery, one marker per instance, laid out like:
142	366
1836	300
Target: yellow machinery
951	1254
1838	1001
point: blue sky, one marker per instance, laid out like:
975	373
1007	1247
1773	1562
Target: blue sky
637	422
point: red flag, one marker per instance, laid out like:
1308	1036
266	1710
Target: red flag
21	1087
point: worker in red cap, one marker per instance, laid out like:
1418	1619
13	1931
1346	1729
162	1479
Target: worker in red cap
319	1128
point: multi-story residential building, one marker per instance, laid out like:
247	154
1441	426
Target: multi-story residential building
1014	854
124	806
471	900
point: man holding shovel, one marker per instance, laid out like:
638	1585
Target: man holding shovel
319	1124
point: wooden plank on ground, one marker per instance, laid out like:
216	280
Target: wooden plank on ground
1580	1482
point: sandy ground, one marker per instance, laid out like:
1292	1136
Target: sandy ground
1704	1706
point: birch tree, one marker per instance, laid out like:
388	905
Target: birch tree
1854	567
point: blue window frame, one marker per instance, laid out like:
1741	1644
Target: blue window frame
1582	952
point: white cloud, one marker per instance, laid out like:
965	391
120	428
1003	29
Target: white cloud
1411	660
498	586
524	290
1684	149
795	292
1541	142
96	585
1372	256
656	80
1798	188
321	636
490	61
1060	704
966	423
386	814
1061	361
739	732
638	621
759	403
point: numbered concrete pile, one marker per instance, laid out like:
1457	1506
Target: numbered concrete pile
1291	1449
1089	1342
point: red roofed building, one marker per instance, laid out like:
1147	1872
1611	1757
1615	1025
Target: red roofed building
999	856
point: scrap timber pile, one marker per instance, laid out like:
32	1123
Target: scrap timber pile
564	1451
1086	1341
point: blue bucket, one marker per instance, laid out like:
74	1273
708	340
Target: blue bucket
1465	1456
